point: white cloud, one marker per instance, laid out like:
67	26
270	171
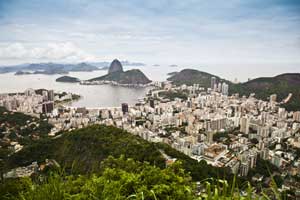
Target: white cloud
51	51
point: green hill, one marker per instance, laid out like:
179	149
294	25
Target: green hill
281	85
83	150
192	76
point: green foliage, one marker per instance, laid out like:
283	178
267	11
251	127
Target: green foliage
19	122
13	118
20	128
123	179
173	94
11	188
263	167
217	136
119	179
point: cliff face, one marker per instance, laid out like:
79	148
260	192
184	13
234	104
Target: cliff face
115	66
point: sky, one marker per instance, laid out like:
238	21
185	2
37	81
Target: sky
151	31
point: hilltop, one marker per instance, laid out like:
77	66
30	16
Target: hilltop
115	66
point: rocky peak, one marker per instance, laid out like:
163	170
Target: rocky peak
115	66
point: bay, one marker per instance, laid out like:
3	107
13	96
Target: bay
113	96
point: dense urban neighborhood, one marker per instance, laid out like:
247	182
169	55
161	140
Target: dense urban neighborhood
257	140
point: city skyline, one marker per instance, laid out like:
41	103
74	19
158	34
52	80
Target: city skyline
216	32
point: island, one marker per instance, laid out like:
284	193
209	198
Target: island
67	79
22	73
172	73
116	75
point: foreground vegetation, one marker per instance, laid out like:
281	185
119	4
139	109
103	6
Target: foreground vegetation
122	179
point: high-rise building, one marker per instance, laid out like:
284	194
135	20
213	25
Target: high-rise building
244	125
189	103
209	137
152	104
50	95
124	108
213	81
264	154
273	98
244	169
296	116
29	92
220	87
263	131
45	95
47	107
225	89
252	159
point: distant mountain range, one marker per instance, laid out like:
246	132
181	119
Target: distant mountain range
48	68
116	74
58	68
282	85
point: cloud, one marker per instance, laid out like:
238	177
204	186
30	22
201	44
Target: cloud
52	51
150	30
